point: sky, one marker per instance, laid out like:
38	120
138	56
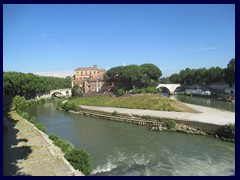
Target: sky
55	39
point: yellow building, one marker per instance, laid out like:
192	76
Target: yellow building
90	79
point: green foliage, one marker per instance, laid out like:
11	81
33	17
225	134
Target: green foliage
20	104
120	92
25	115
63	145
42	101
32	120
17	83
151	90
227	131
143	91
229	72
204	76
41	127
79	159
67	106
114	113
130	76
170	124
134	91
54	137
76	91
151	70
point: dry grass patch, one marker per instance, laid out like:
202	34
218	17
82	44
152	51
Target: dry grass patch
152	102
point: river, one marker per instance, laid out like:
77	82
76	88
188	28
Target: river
205	101
125	149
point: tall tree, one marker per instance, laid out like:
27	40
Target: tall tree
229	72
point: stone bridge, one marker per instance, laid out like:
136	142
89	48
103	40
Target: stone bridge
61	92
170	87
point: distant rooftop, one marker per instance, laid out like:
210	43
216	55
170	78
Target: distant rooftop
86	68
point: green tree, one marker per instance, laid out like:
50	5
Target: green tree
20	104
80	160
120	92
229	72
151	70
174	78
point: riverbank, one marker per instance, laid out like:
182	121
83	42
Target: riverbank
28	151
205	115
136	101
208	121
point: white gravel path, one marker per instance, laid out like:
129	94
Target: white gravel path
207	115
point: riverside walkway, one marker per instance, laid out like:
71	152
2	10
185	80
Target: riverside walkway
205	115
29	152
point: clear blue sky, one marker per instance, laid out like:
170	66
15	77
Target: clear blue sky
56	39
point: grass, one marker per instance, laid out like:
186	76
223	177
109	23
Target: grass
153	102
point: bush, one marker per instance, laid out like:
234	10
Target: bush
143	91
20	104
69	105
40	127
134	91
32	120
25	115
114	113
54	137
65	146
227	131
120	92
151	90
170	124
42	101
79	159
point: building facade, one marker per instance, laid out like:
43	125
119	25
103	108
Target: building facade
90	79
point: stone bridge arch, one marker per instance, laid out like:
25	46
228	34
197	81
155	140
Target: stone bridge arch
64	92
170	87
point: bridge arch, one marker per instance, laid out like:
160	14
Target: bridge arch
63	92
170	87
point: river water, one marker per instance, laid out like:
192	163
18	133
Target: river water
125	149
209	102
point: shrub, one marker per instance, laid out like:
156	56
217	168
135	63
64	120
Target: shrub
114	113
134	91
79	159
54	137
42	101
151	90
20	104
170	124
32	120
227	131
143	91
120	92
40	127
69	105
65	146
25	115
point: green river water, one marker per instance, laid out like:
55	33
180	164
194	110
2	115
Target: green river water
125	149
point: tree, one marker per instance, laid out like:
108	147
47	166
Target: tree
17	83
174	78
20	104
229	72
79	159
151	70
132	76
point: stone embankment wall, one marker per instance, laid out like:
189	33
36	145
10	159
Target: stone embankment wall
42	158
189	127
